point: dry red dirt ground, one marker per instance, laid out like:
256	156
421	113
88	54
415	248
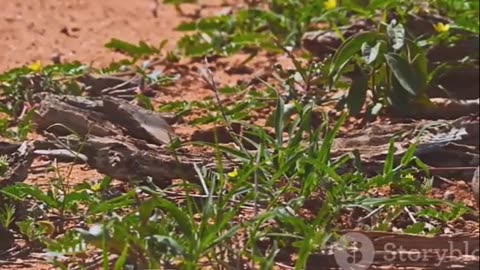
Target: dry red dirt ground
77	30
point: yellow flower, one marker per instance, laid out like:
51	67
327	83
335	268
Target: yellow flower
409	176
441	28
47	227
330	4
96	187
233	174
35	66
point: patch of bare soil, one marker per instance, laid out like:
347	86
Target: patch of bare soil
77	30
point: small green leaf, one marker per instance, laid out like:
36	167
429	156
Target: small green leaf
215	23
134	51
382	4
109	205
238	107
357	94
348	50
278	120
324	154
144	101
39	195
404	73
105	183
388	165
407	157
174	106
419	63
251	39
168	244
229	90
77	197
120	263
187	26
178	215
195	46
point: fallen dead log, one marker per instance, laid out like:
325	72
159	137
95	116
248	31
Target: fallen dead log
63	115
134	160
106	116
137	121
113	129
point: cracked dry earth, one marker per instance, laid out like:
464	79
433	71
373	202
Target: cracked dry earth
72	30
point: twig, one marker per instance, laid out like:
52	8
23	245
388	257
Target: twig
155	8
175	195
410	215
209	79
65	154
284	266
371	213
447	169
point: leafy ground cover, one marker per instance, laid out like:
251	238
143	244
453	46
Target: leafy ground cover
265	97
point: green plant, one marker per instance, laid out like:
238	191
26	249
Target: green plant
248	102
393	67
3	164
275	190
134	51
32	233
7	215
17	86
255	28
465	14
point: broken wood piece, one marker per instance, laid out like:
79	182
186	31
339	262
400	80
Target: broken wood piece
106	116
97	85
139	122
57	116
62	155
15	161
127	94
134	160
